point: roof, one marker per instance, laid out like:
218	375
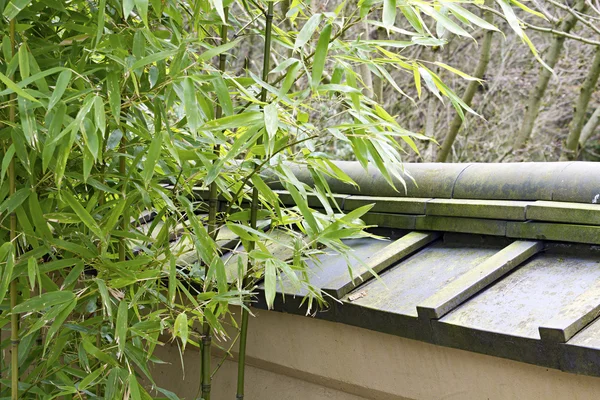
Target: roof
500	259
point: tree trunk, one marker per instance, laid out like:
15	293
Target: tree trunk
590	127
587	89
484	59
537	93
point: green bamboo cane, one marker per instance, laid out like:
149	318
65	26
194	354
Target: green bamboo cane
14	318
253	212
213	204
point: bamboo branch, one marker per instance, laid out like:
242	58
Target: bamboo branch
213	204
484	59
14	317
577	123
253	213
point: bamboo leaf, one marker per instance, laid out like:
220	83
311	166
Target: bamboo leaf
271	119
121	327
389	13
153	58
127	8
32	271
190	104
180	328
13	8
43	301
270	282
9	205
320	55
6	257
215	51
456	9
142	8
307	31
152	157
59	89
14	88
114	95
82	213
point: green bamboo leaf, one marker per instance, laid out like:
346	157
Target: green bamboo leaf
307	31
13	87
134	388
446	22
97	353
106	302
190	105
389	13
153	58
458	10
511	17
13	8
82	213
320	55
270	282
412	16
215	51
23	55
10	204
248	119
59	320
88	380
290	78
152	158
32	271
61	85
127	8
121	327
10	152
114	95
218	5
223	95
6	257
142	8
271	119
180	328
43	301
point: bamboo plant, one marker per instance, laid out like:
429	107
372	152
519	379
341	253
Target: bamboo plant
114	116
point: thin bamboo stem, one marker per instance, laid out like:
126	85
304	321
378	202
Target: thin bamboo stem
254	212
484	59
213	203
14	318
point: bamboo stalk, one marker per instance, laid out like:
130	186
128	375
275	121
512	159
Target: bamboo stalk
253	213
484	59
213	203
577	124
14	318
537	93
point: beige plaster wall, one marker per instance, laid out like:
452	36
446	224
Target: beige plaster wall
294	357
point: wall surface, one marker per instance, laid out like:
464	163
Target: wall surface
297	358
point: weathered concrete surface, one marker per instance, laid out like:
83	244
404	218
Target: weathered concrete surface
398	205
554	231
298	358
408	283
476	279
489	209
518	181
573	316
574	213
523	301
479	226
579	182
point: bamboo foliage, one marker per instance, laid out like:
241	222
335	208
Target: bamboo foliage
117	120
